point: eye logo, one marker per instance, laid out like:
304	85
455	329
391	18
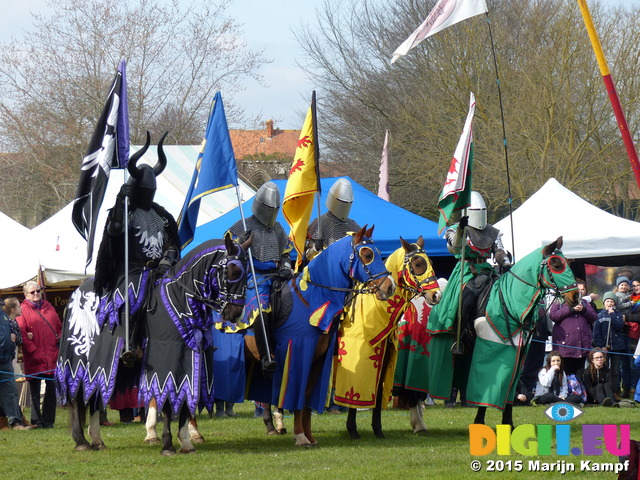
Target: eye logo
563	412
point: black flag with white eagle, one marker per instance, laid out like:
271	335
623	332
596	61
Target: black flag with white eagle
109	148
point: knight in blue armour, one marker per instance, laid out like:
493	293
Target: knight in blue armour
271	258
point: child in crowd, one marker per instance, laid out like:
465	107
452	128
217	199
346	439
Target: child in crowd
623	293
552	383
632	324
608	334
597	380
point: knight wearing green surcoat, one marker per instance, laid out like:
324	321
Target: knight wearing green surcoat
480	241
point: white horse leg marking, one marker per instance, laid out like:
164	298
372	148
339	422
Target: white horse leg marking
150	425
301	440
279	421
194	434
416	418
185	439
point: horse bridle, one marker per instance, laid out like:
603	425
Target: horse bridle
225	296
354	254
417	290
549	282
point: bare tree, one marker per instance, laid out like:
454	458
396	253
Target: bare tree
54	83
558	119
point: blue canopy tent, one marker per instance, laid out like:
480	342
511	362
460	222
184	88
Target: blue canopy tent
390	221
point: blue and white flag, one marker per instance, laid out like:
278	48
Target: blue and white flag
215	170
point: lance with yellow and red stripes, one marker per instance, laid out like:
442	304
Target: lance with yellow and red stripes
611	90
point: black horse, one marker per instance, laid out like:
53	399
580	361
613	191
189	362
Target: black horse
174	365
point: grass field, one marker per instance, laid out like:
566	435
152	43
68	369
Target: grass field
238	448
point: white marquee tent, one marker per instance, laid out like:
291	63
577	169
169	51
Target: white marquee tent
15	263
61	251
589	233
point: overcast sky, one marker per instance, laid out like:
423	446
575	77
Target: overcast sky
267	25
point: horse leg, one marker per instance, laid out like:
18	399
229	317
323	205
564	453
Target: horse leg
416	409
183	431
480	416
352	426
302	424
278	417
376	419
77	412
194	434
507	415
167	439
306	425
376	415
267	418
94	430
298	429
150	424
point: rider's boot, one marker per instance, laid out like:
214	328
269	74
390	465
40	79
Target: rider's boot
220	413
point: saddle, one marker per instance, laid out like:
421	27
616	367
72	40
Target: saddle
475	297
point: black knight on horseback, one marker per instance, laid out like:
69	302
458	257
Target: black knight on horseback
151	242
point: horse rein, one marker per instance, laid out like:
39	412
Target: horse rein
543	283
223	284
356	291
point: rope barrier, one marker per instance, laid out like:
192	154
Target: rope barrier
13	375
580	348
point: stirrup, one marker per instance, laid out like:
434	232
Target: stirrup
128	358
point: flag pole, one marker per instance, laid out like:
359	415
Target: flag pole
504	136
127	339
611	90
316	158
269	364
457	348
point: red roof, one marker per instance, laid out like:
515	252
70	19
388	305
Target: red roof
268	141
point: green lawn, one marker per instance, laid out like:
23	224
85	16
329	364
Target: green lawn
238	448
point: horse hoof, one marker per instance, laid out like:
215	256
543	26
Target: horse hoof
82	447
168	452
282	431
378	434
421	432
354	435
98	446
197	440
152	441
272	432
301	440
187	450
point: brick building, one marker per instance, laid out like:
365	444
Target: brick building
266	154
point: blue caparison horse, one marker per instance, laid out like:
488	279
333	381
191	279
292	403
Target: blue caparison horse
306	317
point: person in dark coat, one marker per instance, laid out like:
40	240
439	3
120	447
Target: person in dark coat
608	334
571	334
597	379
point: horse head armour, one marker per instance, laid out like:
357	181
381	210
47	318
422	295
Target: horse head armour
417	273
367	266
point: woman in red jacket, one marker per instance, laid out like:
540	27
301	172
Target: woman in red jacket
41	329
